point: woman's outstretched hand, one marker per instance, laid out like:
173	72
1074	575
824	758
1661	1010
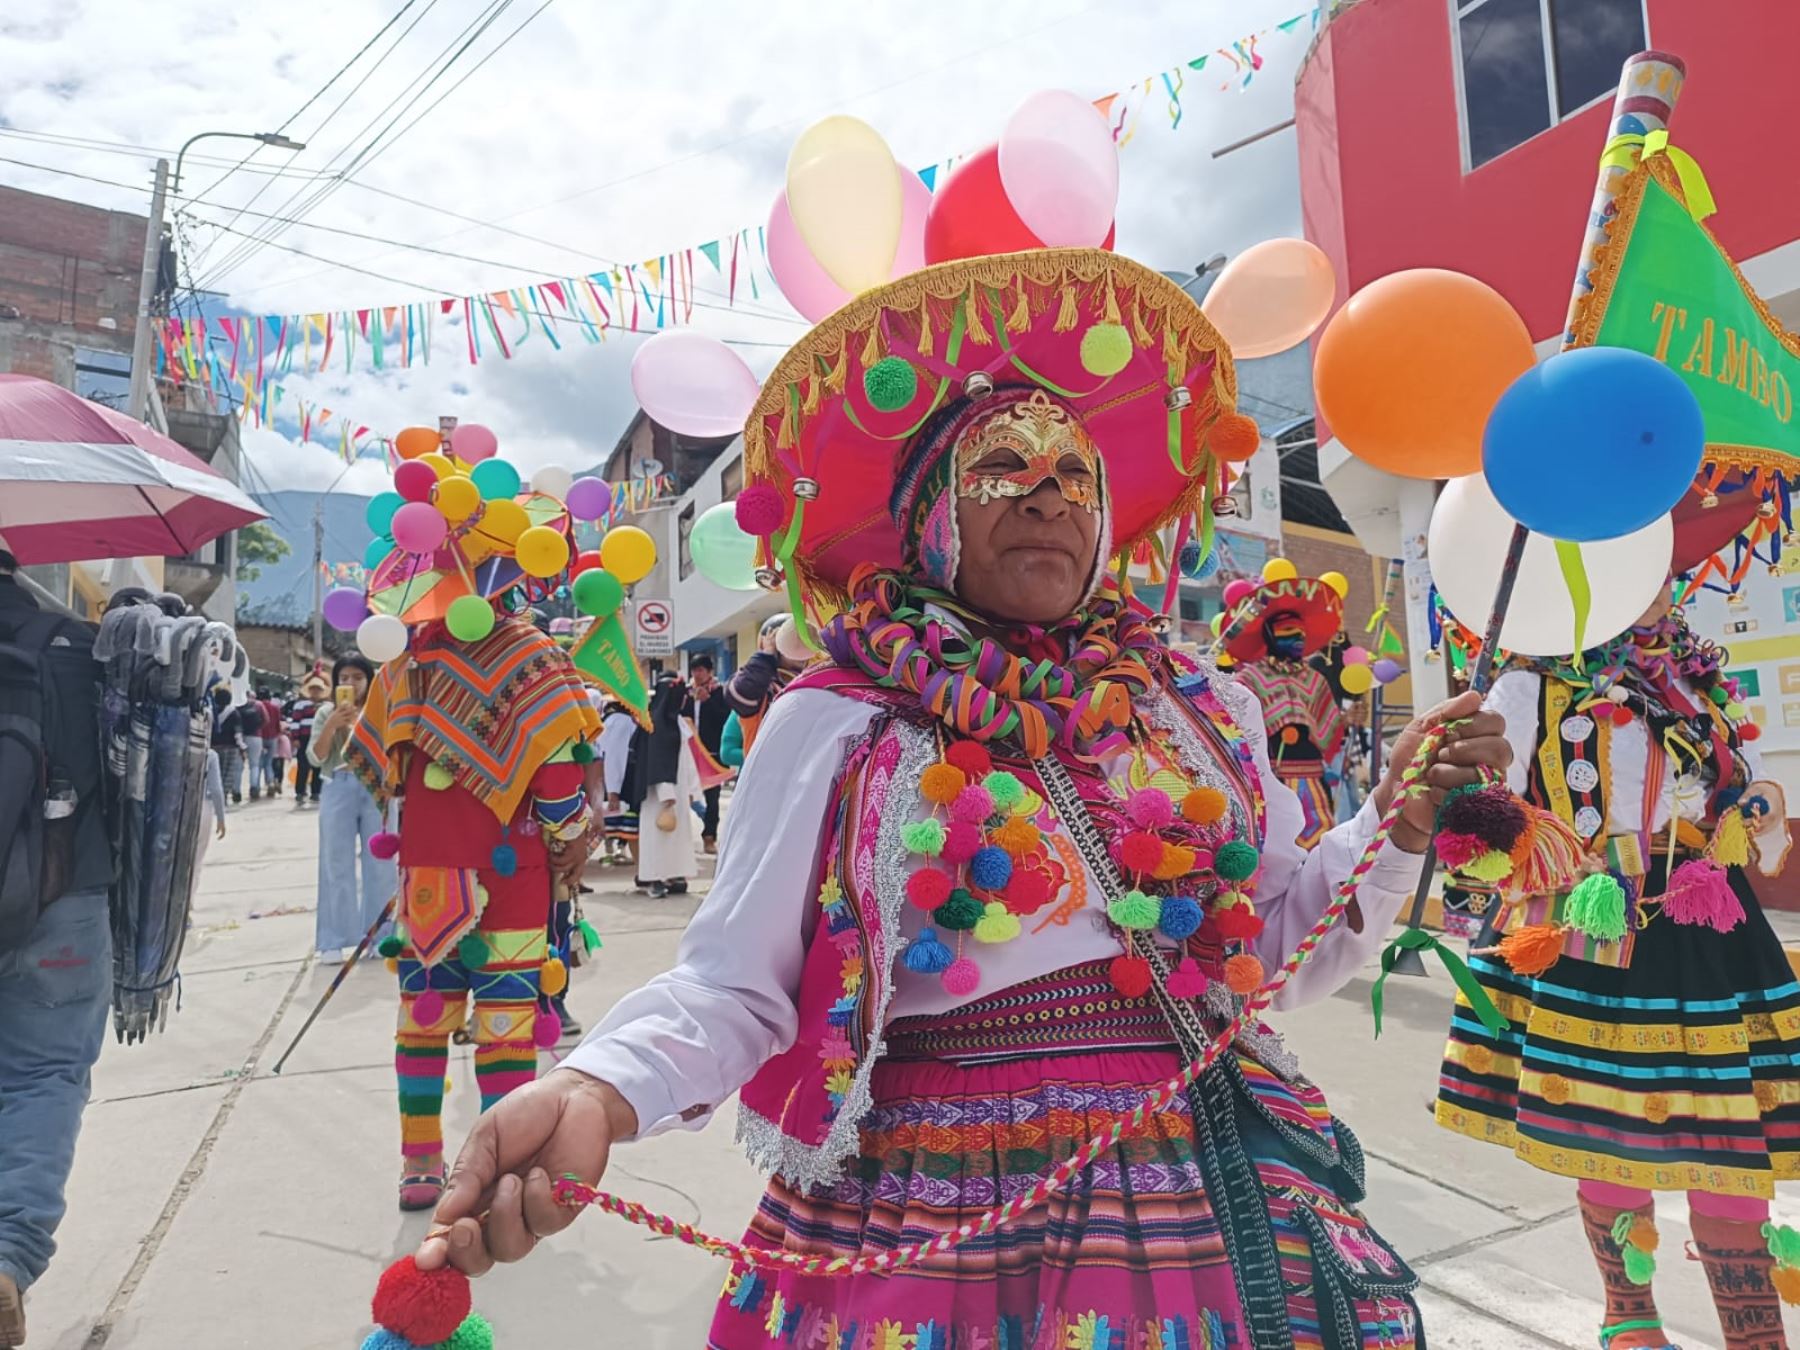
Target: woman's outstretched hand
564	1123
1478	744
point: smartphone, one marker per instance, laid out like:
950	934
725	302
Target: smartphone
343	694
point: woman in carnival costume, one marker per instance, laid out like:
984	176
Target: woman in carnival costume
1654	1023
986	859
478	745
1271	632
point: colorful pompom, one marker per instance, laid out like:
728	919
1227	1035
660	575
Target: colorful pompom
1786	1280
1204	806
960	977
474	1334
1597	907
973	804
1236	860
1700	894
940	783
393	965
760	510
1640	1266
1784	1243
1005	789
437	777
1243	974
504	859
1239	923
1141	852
383	1339
1186	980
1135	910
1179	918
1490	813
581	752
972	757
923	836
890	384
962	841
553	976
546	1029
928	888
1130	975
959	913
1493	866
926	955
1178	860
1028	891
1018	836
1150	809
473	951
1533	949
423	1306
384	844
1457	851
990	869
1234	438
1105	349
997	924
391	945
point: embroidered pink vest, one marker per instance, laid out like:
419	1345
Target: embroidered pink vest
799	1115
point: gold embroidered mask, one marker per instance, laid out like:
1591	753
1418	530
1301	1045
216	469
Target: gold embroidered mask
1019	448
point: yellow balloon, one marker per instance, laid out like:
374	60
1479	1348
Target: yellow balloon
843	192
628	553
1356	680
1279	569
541	551
504	520
440	463
1338	582
1218	623
456	497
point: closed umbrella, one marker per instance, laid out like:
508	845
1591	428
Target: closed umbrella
79	481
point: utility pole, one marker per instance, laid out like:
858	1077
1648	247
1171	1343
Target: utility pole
140	340
319	579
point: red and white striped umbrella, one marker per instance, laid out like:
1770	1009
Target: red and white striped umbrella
80	481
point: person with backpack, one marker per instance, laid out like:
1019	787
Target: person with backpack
250	733
228	740
55	936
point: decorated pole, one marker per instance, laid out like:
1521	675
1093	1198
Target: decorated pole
387	912
1649	85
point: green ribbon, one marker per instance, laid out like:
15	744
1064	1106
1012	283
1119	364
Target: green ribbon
590	936
1574	570
1418	940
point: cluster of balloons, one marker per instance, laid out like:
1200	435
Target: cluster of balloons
1360	673
1589	450
454	505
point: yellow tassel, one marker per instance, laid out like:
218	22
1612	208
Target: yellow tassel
809	403
1140	331
871	352
1068	314
784	433
1111	310
1019	321
976	332
835	375
1731	840
925	326
1174	357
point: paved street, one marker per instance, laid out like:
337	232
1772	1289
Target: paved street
215	1206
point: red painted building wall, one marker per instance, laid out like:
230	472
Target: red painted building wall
1382	182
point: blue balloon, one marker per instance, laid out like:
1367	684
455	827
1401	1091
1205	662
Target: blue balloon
380	514
1593	444
377	553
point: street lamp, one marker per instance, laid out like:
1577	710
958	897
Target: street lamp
140	343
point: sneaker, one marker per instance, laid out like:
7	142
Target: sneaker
657	890
678	886
12	1314
570	1027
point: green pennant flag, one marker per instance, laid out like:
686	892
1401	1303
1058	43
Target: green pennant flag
1663	286
604	652
712	253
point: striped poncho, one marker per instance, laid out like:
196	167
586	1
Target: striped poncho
490	712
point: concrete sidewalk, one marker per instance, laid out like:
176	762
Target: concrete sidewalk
215	1207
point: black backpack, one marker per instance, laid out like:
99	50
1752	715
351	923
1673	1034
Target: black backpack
48	734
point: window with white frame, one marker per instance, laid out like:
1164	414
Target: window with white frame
1525	65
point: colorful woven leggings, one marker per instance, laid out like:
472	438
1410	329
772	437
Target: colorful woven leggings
433	1003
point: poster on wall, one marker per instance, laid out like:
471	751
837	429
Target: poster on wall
1760	628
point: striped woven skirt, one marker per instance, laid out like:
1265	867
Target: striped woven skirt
1679	1071
1318	809
1229	1222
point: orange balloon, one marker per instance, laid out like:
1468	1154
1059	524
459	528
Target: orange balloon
416	441
1271	297
1408	370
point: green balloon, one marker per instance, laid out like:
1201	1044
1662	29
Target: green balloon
382	506
598	593
469	618
377	552
725	555
495	479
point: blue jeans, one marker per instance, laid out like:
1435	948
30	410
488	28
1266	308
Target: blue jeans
348	819
253	758
54	993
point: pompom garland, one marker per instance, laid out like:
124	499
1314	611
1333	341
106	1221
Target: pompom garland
961	977
1179	918
923	836
1186	980
940	783
1141	852
1004	788
959	913
928	888
972	757
1150	809
1236	860
1027	892
1597	907
1533	949
1018	836
990	869
1700	895
1243	974
1130	975
1177	861
997	924
973	804
1135	911
1204	806
962	841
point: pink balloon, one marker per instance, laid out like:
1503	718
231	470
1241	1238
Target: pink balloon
418	526
1356	656
692	384
1060	168
1271	297
471	442
414	481
807	286
1234	592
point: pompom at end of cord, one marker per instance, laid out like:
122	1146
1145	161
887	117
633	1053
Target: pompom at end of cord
1234	438
997	924
1532	950
428	1009
962	841
973	804
1135	910
760	510
1490	812
546	1031
940	784
926	955
384	844
383	1339
582	753
391	945
1027	892
1180	917
1204	806
1141	852
1243	974
960	912
1730	846
1596	907
1492	867
1236	861
1239	923
1700	895
1457	851
890	384
1005	789
504	859
553	976
990	868
1130	975
473	951
928	888
423	1306
474	1333
1150	809
972	757
961	977
1186	980
923	836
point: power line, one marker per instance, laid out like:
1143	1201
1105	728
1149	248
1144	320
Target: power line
93	145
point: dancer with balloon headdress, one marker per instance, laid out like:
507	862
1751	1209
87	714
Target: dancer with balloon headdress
474	738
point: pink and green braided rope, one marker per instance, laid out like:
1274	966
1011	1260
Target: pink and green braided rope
573	1192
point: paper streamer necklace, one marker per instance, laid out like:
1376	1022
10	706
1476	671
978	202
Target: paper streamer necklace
571	1191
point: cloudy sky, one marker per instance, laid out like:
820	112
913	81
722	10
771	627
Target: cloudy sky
591	133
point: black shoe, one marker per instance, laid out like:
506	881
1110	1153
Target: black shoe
657	890
678	887
570	1027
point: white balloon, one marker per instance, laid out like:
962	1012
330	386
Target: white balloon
553	480
791	645
1469	534
381	637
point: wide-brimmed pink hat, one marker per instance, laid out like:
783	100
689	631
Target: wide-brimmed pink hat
1121	345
